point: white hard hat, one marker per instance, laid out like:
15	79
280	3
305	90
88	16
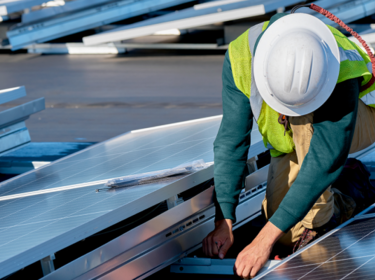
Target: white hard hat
296	64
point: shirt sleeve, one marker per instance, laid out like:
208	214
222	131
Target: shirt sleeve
334	125
231	146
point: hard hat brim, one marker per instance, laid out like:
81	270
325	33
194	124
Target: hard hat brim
279	28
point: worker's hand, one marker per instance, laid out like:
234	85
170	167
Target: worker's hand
219	240
255	255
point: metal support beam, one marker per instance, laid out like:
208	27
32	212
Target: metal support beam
252	164
47	264
56	27
75	48
10	6
199	15
76	5
11	94
210	266
13	136
174	201
21	112
162	240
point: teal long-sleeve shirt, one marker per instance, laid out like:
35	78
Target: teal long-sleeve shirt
333	124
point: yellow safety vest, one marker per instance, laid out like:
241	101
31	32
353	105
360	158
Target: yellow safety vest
354	63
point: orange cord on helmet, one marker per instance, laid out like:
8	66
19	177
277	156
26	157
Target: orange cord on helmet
353	33
284	121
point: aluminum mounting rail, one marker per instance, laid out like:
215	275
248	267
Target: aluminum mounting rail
54	11
13	131
21	112
211	266
55	27
111	48
11	6
11	94
199	15
164	239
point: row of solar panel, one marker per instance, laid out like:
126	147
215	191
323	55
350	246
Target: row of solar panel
79	15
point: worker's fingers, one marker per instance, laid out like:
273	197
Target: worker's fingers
246	271
224	248
254	270
238	269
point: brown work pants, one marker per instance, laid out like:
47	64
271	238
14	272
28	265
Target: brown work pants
284	170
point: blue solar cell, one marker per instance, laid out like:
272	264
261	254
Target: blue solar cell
346	254
34	227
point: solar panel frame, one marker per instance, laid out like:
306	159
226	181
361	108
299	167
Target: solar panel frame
338	255
189	18
10	6
81	20
367	156
63	218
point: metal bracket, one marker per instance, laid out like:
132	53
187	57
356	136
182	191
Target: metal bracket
174	201
210	266
252	164
47	264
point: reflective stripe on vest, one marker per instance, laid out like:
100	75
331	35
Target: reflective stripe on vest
256	99
351	55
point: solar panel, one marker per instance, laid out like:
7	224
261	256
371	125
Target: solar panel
87	17
10	6
33	227
346	254
199	15
53	11
10	94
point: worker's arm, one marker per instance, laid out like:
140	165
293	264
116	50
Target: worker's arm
231	145
230	150
334	125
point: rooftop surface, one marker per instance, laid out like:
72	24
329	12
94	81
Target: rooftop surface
91	98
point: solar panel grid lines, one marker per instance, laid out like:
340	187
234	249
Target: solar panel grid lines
339	253
348	253
33	223
85	226
139	171
29	225
98	182
64	160
177	124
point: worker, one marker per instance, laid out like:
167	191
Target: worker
312	94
